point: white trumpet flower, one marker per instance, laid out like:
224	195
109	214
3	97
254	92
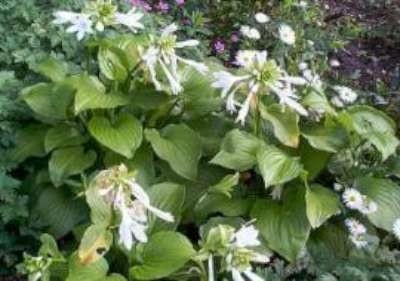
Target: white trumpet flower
260	76
131	201
79	23
130	20
163	53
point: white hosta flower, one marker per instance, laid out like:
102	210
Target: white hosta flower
287	34
79	23
396	228
347	95
336	101
163	53
262	18
334	63
250	32
260	76
239	263
247	236
303	66
337	186
130	200
353	199
355	227
130	20
63	17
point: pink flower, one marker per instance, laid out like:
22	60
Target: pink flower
141	4
162	7
218	46
180	2
235	37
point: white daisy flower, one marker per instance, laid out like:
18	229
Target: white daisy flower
353	199
250	32
130	20
163	53
262	18
260	76
396	228
337	186
287	34
355	227
346	94
303	66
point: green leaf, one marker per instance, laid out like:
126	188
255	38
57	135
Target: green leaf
100	211
314	161
276	166
70	161
168	197
94	244
91	94
198	96
123	136
58	211
180	146
366	119
49	101
284	225
386	194
385	142
317	102
238	151
111	63
149	99
92	272
53	68
322	203
63	136
225	186
165	253
285	124
220	204
330	139
29	142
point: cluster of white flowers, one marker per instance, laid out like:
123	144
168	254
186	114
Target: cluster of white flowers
354	200
260	76
131	202
250	32
240	255
345	96
98	15
163	53
357	232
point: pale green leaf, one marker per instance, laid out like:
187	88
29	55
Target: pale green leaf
63	136
165	253
276	166
330	139
180	146
53	68
322	203
123	136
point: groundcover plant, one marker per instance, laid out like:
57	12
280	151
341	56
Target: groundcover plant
156	162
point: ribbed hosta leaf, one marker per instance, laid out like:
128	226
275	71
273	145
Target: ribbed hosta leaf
238	151
70	161
95	242
29	142
180	146
285	124
59	212
63	136
284	225
165	253
322	203
123	136
276	166
95	271
386	194
329	139
91	94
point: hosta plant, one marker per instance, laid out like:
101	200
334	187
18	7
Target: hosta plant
154	163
